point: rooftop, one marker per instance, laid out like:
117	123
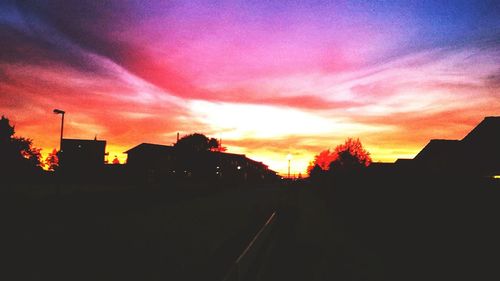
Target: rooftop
151	147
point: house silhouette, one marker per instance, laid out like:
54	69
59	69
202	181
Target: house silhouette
78	155
156	163
148	161
478	153
438	154
82	160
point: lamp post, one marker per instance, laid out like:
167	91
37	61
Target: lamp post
289	158
58	111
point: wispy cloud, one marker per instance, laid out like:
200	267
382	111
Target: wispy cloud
302	76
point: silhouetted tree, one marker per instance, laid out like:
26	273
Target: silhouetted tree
18	153
219	147
196	143
28	151
350	156
10	156
52	161
213	143
6	130
316	171
322	160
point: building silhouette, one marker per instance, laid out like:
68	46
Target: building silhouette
478	153
150	162
439	154
80	157
156	163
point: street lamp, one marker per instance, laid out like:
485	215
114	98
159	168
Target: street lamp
289	158
58	111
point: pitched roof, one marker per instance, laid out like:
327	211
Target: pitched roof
437	148
238	156
488	131
150	147
158	149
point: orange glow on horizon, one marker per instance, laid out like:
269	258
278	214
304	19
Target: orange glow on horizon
276	161
266	83
274	153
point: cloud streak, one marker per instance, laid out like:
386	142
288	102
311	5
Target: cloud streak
304	75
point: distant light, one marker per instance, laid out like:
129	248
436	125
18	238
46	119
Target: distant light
79	146
496	176
239	167
218	167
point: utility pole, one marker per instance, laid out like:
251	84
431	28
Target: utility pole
289	157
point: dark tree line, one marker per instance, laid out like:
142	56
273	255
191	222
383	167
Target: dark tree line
19	158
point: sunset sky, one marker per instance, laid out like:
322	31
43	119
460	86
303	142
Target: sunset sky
267	77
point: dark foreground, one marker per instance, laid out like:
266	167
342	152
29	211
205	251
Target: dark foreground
368	228
385	228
